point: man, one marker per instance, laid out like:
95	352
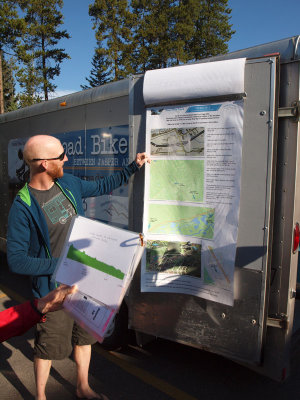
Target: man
18	319
37	226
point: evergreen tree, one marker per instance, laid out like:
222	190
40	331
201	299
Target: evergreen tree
162	33
11	26
38	51
10	101
100	71
183	31
174	32
112	22
154	33
212	30
30	81
141	11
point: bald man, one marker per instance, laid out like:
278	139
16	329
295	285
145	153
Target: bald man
37	227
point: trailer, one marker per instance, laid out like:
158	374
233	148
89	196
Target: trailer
101	130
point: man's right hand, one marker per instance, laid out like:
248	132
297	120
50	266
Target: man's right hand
141	159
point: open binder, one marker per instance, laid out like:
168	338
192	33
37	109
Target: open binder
101	260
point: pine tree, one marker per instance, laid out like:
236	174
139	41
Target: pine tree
11	27
153	33
183	30
100	71
137	35
10	101
30	81
10	23
212	30
174	32
112	22
38	51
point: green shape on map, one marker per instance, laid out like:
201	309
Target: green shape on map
207	278
181	180
80	256
181	220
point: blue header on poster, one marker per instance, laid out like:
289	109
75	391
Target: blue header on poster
204	108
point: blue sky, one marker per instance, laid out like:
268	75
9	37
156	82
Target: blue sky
255	22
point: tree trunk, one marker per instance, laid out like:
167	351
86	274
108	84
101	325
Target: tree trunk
1	87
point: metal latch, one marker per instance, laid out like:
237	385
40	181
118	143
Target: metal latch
278	321
293	111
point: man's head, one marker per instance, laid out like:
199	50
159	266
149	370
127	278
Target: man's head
45	153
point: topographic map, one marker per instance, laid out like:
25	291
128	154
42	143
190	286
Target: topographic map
177	141
181	180
181	220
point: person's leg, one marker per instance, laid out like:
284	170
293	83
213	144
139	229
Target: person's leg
41	373
82	357
82	350
53	341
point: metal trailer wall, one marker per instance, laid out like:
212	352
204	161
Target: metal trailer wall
236	332
283	276
282	334
213	327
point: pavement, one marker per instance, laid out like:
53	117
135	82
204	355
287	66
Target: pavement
109	373
137	374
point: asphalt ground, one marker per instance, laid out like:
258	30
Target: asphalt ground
115	374
162	370
109	373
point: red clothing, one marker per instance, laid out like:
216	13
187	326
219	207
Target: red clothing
17	320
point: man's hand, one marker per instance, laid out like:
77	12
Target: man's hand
53	301
141	158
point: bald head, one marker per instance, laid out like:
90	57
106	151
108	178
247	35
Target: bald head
41	146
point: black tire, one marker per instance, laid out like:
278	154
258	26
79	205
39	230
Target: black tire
118	333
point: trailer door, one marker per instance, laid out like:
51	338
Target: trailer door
236	332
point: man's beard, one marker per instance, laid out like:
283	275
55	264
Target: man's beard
56	171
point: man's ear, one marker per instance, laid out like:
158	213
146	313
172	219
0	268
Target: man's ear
43	165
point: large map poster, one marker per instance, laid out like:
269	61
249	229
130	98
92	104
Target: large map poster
192	194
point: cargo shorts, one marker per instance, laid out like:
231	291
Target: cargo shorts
55	338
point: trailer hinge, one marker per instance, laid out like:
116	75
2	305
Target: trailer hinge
293	111
278	321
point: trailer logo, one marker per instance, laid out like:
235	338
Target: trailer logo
108	145
105	145
72	148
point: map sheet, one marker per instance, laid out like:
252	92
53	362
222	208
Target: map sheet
192	195
101	260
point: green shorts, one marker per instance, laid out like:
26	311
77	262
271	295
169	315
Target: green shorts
54	339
